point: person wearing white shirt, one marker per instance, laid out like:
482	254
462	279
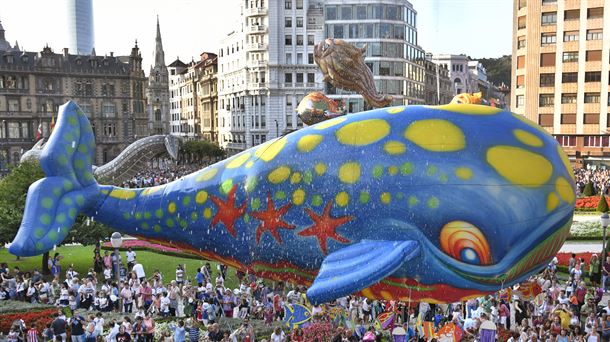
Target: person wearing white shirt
278	335
139	269
131	258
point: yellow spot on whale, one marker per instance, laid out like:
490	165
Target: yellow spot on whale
436	135
207	213
171	208
528	138
396	110
149	191
279	175
463	173
320	168
565	190
308	142
520	166
206	175
349	172
394	147
363	132
296	178
271	149
469	109
342	199
122	194
298	196
238	161
201	197
329	123
566	161
249	164
552	201
385	197
393	170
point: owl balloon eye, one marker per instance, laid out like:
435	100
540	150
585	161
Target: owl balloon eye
466	243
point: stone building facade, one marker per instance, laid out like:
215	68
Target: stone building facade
109	89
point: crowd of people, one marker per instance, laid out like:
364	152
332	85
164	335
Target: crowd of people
600	178
161	173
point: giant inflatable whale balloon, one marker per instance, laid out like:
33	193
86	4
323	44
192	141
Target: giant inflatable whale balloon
424	203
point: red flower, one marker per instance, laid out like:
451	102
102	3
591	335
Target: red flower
41	318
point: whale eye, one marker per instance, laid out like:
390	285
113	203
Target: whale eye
466	243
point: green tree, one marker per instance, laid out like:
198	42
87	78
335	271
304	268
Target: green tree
198	150
602	206
13	191
589	189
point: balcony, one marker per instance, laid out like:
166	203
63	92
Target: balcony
256	29
255	85
256	47
257	64
255	11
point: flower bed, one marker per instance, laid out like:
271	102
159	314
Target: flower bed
564	258
588	229
141	244
41	318
318	331
588	203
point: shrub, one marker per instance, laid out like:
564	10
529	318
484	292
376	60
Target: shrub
602	206
589	189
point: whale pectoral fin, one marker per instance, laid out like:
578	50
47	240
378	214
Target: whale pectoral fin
359	266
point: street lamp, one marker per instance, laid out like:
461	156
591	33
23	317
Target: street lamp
117	240
605	221
277	130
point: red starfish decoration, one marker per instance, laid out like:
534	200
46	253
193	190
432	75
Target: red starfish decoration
325	226
227	212
271	220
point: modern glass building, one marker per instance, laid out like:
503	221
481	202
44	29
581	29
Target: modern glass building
388	28
80	26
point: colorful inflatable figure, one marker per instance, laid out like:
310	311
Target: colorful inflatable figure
316	107
466	98
424	203
343	66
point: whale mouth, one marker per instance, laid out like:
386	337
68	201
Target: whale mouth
522	259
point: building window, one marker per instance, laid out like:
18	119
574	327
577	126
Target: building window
569	77
568	119
288	58
288	78
109	130
288	22
545	120
108	110
595	13
520	81
594	55
299	21
521	42
547	80
596	140
520	101
547	59
299	39
337	31
548	2
593	76
310	58
310	40
595	34
592	97
546	100
571	14
549	18
287	4
570	36
288	40
568	98
299	4
520	62
299	77
567	141
570	56
311	77
521	22
591	118
331	12
548	38
522	3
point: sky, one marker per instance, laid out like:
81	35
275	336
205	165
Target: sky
478	28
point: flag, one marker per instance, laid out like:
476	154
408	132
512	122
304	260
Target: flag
428	330
39	132
419	327
384	321
52	124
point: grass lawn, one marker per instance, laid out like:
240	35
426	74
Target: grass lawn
82	259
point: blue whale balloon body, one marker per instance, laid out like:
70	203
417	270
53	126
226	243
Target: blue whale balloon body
423	203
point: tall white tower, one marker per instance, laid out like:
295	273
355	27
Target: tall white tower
80	26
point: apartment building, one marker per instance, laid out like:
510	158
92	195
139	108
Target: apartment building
560	72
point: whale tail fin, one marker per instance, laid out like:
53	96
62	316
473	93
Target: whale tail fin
54	202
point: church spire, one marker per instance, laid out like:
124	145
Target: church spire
159	55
